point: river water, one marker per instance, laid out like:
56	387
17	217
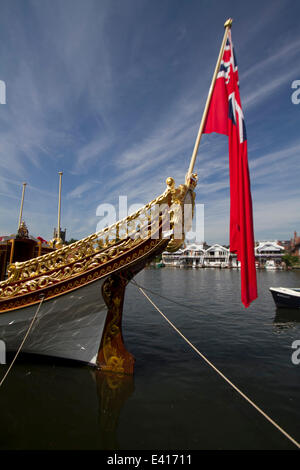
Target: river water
175	400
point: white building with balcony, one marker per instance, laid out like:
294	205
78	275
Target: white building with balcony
201	255
172	259
193	255
269	253
217	256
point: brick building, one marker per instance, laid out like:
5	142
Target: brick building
295	245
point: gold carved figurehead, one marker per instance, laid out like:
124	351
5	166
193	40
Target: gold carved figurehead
181	210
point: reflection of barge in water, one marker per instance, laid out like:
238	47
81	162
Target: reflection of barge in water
74	411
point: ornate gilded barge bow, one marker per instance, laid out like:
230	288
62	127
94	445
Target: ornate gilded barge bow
83	284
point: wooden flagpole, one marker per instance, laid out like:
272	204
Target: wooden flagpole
227	26
21	207
58	239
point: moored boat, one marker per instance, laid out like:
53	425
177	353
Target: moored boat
20	247
82	286
270	265
71	300
288	297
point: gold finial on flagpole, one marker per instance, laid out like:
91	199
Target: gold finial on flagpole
21	207
58	241
228	23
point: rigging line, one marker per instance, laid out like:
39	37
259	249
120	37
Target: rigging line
24	339
267	417
166	298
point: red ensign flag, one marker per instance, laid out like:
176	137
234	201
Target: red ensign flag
225	116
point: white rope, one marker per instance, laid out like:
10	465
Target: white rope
24	339
297	444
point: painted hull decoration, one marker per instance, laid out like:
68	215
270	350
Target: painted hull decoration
83	286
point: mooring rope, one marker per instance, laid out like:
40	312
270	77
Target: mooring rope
23	341
265	415
188	307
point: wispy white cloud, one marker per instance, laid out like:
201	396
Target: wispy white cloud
280	56
292	150
80	190
113	97
262	92
91	152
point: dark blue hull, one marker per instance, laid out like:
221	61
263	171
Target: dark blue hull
286	300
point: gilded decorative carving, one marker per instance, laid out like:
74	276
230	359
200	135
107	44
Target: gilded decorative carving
112	355
22	231
182	195
103	244
97	250
70	284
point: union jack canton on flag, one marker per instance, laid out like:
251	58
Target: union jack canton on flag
225	116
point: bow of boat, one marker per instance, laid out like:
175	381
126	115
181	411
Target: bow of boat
83	285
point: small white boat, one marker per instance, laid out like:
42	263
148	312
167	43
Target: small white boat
288	297
270	265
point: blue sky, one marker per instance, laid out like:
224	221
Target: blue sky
111	92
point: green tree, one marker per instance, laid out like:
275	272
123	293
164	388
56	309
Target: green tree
290	260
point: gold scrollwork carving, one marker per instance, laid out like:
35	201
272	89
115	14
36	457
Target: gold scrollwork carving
99	248
112	355
180	197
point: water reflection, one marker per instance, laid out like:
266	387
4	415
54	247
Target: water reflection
52	406
113	391
286	317
178	402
